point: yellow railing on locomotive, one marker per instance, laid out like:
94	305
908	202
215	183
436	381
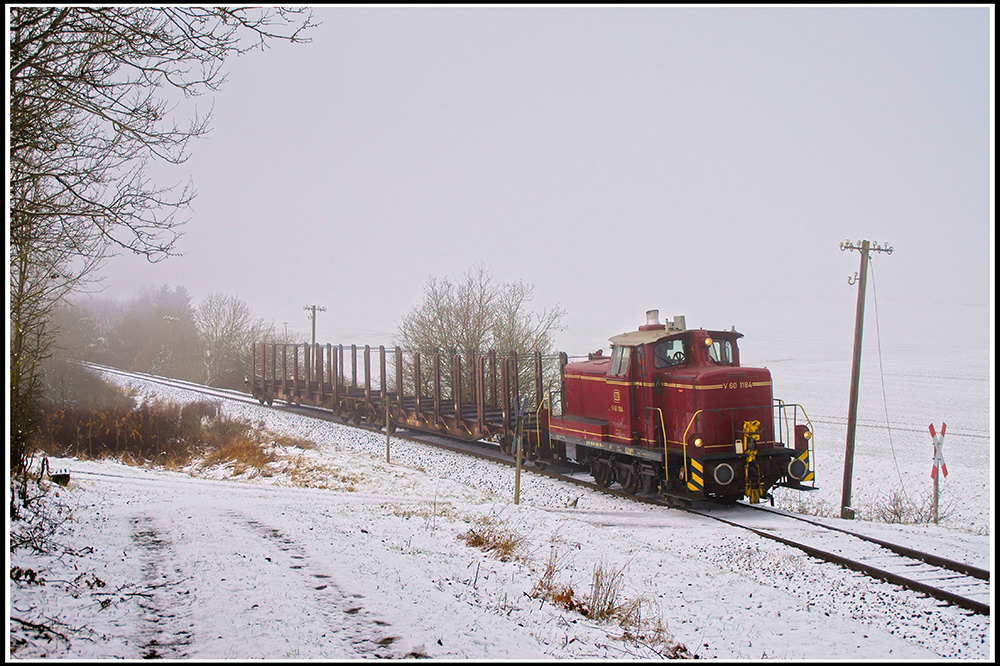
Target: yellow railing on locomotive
684	443
783	417
663	430
546	399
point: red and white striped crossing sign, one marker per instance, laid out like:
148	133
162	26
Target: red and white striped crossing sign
938	451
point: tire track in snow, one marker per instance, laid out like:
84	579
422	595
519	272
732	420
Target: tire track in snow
167	620
343	613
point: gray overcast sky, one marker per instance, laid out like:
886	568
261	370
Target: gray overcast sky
619	159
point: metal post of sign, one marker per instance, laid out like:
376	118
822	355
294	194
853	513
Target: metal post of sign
938	463
934	515
387	427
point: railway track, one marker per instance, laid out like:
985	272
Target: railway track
953	582
956	583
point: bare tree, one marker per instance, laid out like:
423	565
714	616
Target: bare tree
227	329
478	314
90	109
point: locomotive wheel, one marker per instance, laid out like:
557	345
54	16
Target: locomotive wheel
649	484
603	473
630	479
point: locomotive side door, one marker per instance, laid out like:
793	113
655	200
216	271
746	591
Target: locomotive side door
646	421
619	387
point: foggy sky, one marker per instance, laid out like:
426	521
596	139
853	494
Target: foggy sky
701	161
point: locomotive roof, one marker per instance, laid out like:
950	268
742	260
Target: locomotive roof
633	338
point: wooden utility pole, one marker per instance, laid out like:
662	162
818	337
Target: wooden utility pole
314	308
864	247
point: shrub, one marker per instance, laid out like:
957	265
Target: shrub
157	432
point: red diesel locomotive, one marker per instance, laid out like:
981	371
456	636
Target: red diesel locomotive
671	410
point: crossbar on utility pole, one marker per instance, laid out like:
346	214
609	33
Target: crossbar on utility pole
314	309
846	512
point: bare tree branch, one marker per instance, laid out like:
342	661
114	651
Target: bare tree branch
94	99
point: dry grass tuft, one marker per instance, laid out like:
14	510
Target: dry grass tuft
492	535
289	442
561	595
604	591
640	620
425	510
243	450
307	473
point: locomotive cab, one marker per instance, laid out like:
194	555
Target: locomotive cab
672	409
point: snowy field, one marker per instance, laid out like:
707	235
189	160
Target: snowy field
337	554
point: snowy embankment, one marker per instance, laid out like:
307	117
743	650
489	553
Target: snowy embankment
338	554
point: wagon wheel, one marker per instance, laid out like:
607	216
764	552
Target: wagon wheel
630	479
505	445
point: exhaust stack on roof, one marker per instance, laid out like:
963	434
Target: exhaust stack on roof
652	321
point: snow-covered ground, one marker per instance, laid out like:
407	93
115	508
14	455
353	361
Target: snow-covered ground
338	554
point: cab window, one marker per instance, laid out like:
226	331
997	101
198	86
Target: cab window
619	361
669	353
721	352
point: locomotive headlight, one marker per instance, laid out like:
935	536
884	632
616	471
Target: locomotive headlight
708	342
807	435
697	441
723	474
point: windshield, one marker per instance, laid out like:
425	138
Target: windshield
619	361
721	352
668	353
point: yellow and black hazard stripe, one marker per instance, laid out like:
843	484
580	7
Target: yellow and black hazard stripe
696	476
804	457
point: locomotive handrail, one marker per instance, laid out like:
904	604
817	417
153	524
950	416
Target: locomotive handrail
684	441
663	430
783	410
809	442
